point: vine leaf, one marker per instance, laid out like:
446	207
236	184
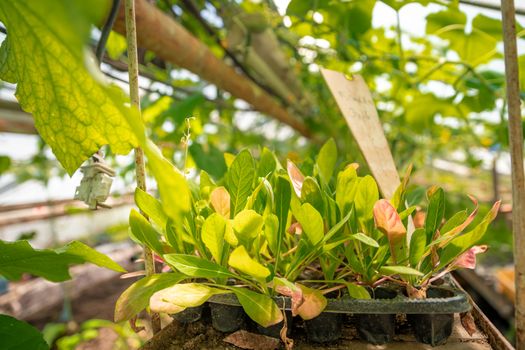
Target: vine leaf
45	54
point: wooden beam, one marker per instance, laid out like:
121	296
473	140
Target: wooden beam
14	120
170	41
516	156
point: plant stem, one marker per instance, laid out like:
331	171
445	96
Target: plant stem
140	169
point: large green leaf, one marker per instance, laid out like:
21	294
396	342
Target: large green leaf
19	257
212	234
194	266
142	231
20	335
326	160
259	307
136	298
239	181
45	53
241	261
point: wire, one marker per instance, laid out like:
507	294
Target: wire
104	35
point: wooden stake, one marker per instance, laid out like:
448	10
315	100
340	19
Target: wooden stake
516	153
140	169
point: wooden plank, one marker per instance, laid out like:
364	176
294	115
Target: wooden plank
355	102
516	157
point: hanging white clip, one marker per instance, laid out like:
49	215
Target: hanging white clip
96	182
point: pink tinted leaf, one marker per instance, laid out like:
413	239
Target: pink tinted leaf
467	260
296	177
314	303
296	294
387	220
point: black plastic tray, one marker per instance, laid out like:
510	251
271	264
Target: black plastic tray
457	302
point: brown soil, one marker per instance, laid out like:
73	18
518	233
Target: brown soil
201	336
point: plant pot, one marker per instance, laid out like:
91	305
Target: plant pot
227	318
433	329
190	314
275	330
377	328
325	328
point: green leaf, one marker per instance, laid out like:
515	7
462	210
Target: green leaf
365	239
326	160
447	18
180	296
418	244
239	181
283	195
212	234
136	297
144	232
435	213
116	45
247	225
45	54
260	308
271	232
174	189
19	257
466	241
311	193
241	261
16	334
151	206
456	220
267	163
357	291
399	270
366	196
184	109
345	189
312	223
208	158
194	266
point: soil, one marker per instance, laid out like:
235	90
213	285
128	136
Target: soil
200	335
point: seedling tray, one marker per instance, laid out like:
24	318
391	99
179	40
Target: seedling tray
455	302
